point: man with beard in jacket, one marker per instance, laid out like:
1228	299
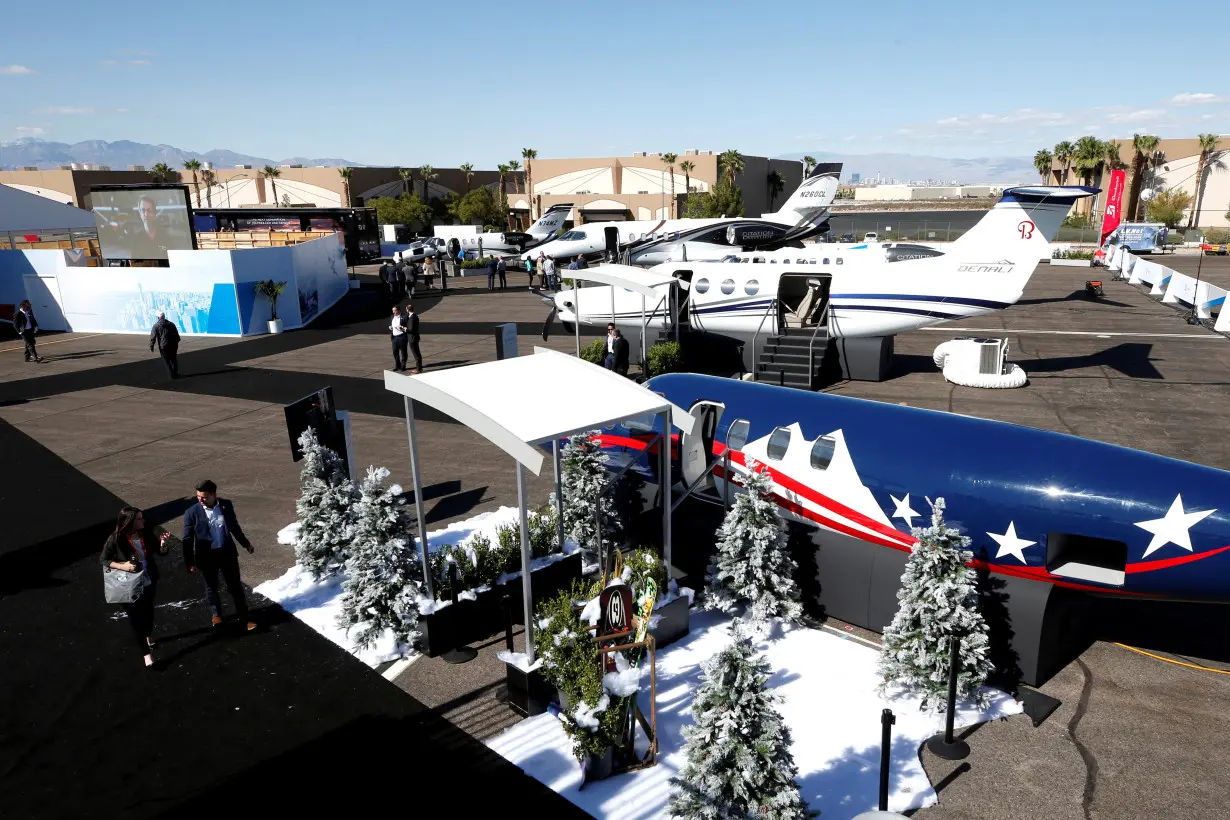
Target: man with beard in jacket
166	336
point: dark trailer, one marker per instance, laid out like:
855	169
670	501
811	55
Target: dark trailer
358	225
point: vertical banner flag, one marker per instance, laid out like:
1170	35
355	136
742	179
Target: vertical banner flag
1114	208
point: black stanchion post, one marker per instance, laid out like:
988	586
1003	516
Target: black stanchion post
458	654
886	739
945	745
508	622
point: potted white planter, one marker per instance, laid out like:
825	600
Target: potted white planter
271	290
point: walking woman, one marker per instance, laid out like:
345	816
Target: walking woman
129	549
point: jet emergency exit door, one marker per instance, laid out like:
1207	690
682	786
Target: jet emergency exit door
696	448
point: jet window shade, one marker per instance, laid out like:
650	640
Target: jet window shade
736	436
778	442
702	286
822	453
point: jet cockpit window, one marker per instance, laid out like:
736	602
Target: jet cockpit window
736	436
778	442
702	286
822	452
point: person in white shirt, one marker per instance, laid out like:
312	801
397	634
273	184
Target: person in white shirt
608	361
548	273
398	329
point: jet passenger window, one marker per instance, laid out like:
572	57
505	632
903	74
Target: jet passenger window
736	436
752	287
728	286
778	442
839	260
826	260
822	452
702	286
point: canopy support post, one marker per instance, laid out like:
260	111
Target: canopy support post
559	494
525	564
576	311
644	356
665	478
418	496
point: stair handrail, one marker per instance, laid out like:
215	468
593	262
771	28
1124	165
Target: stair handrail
756	359
811	346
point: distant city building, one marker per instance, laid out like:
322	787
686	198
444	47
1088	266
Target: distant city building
855	178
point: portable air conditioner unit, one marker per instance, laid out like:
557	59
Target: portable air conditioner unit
991	355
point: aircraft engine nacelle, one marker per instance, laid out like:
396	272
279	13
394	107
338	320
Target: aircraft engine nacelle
899	252
753	236
516	238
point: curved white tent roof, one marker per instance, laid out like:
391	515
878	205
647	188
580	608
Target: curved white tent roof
22	211
632	278
522	402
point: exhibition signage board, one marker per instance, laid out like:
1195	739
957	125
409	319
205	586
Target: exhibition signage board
506	341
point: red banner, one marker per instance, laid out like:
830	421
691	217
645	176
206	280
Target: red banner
1114	206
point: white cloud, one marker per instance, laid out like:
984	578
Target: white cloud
124	62
810	138
15	69
120	110
30	130
1143	115
64	109
139	62
850	138
1196	98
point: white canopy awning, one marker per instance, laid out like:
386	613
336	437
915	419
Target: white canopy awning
522	402
24	211
632	278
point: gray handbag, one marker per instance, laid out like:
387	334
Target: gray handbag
123	587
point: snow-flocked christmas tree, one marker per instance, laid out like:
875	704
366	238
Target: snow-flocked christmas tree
383	576
738	751
752	563
583	478
938	599
324	508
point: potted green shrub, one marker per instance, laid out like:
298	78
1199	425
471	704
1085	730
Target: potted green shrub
271	290
665	357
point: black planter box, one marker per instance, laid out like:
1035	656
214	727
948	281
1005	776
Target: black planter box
529	693
673	622
468	621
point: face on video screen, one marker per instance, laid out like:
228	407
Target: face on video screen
141	223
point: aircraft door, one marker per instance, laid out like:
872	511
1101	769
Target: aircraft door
612	241
696	448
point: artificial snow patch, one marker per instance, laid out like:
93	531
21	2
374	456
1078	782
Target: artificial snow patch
288	535
519	659
318	604
592	612
585	715
828	685
626	680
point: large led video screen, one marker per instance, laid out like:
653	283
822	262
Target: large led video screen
141	223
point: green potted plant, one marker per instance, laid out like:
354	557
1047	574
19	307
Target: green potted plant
271	290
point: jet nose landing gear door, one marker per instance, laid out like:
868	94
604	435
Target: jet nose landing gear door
696	448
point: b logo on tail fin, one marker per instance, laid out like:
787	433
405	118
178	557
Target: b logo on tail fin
1026	229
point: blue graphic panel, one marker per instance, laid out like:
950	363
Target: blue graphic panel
247	300
223	311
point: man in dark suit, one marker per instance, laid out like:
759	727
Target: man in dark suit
398	330
412	333
386	276
399	281
26	326
492	265
210	532
621	352
166	335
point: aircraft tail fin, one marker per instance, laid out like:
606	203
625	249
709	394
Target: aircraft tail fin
810	202
550	222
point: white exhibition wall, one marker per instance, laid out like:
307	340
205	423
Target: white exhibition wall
207	292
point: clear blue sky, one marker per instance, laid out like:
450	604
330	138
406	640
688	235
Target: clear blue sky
397	82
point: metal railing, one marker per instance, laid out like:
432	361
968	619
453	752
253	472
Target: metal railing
773	305
811	345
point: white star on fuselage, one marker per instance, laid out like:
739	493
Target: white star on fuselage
1173	527
1010	544
903	510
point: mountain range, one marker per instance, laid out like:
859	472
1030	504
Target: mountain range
906	167
123	153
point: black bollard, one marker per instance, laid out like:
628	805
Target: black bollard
945	745
508	622
459	654
886	739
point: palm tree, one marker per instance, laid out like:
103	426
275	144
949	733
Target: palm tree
161	172
1208	145
1113	161
345	174
1143	146
504	170
687	166
1043	160
529	155
467	168
514	165
407	180
732	164
210	179
1090	154
427	174
1064	152
669	161
270	173
776	183
809	165
194	165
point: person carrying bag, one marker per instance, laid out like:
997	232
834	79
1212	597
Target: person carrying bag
130	574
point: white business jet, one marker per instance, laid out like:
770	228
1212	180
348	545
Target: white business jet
653	241
851	293
511	243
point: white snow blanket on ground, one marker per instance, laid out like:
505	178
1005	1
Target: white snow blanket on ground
830	704
318	604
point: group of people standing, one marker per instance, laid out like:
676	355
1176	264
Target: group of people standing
401	278
211	530
544	267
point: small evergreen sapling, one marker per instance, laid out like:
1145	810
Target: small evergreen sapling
583	477
324	509
938	599
738	750
383	577
752	563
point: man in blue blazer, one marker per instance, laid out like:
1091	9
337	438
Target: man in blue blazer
210	532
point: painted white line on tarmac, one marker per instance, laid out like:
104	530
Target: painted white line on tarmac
1002	330
400	666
